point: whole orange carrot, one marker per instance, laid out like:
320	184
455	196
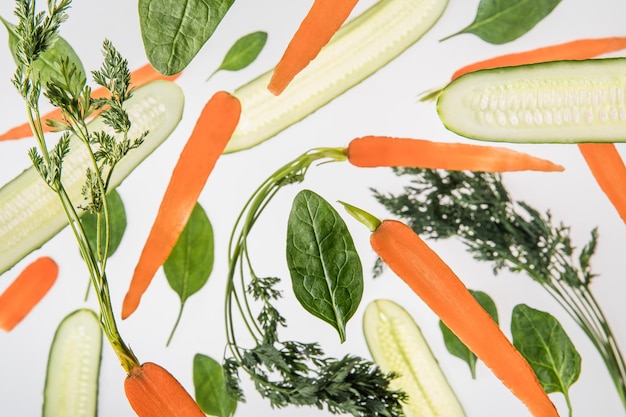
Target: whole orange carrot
153	392
375	151
138	78
607	167
26	291
324	19
208	139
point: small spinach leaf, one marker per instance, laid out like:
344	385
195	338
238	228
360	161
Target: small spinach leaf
117	224
502	21
211	391
542	341
326	272
454	344
173	31
190	263
243	52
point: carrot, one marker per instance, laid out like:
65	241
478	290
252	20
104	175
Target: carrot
153	392
609	170
440	288
324	19
208	139
139	77
375	151
26	291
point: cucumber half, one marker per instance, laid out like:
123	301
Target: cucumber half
397	345
30	213
553	102
73	367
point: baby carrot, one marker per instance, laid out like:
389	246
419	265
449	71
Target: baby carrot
608	169
138	78
375	151
26	291
153	392
324	19
208	139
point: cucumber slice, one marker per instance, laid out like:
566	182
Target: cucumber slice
360	48
73	367
397	345
30	213
553	102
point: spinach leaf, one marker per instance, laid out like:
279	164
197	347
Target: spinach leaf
326	272
190	263
173	31
243	52
210	386
117	223
454	344
542	341
502	21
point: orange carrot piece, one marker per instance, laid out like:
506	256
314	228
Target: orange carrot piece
609	170
153	392
578	49
324	19
138	78
440	288
376	151
208	139
26	291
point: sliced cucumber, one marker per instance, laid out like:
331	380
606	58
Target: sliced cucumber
397	345
30	213
553	102
358	49
73	367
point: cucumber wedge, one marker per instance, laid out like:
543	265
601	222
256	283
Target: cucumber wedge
553	102
30	213
397	345
73	367
360	48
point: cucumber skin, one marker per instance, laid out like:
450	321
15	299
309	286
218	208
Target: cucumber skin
356	52
28	193
459	116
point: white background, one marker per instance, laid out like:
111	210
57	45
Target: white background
384	104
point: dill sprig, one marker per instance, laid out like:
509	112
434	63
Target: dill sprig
476	208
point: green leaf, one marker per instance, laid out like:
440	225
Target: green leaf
190	263
454	344
117	223
243	52
326	272
542	341
174	31
211	393
502	21
47	65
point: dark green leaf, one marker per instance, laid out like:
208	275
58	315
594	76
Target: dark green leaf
211	393
174	31
190	263
454	344
47	65
501	21
545	345
243	52
117	225
326	272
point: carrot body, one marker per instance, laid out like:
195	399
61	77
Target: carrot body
26	291
376	151
578	49
138	78
439	287
324	19
153	392
609	170
208	139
